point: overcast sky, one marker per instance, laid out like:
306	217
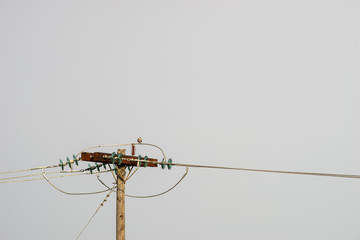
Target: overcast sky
255	84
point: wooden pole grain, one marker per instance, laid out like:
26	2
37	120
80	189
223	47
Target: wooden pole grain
120	204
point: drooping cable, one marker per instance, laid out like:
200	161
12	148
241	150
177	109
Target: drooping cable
159	194
98	178
68	193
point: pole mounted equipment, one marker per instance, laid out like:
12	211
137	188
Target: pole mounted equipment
120	162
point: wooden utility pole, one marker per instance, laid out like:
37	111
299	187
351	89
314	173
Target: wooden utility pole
120	204
120	162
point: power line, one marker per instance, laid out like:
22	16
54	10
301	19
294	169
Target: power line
38	174
225	167
159	194
68	193
120	185
32	169
164	162
78	158
251	169
34	179
147	196
271	171
102	204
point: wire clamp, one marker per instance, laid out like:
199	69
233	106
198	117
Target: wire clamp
43	173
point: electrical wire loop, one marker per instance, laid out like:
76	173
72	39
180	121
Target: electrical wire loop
68	193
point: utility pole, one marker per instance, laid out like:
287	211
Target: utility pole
120	204
119	161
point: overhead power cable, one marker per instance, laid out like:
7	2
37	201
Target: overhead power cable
32	169
68	193
225	167
339	175
78	158
39	174
159	194
271	171
102	204
164	162
34	179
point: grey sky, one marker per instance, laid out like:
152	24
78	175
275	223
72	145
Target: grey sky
257	84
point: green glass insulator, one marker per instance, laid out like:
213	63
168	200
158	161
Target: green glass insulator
97	167
119	158
139	158
115	169
90	168
75	160
163	165
61	164
68	162
146	163
113	157
170	163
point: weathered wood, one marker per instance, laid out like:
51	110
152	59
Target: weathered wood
106	158
120	204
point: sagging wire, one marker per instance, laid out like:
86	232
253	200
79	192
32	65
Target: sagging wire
162	193
68	193
98	178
